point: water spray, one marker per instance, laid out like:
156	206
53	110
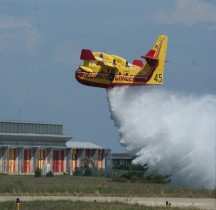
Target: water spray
173	133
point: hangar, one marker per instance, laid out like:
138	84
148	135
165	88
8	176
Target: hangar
25	146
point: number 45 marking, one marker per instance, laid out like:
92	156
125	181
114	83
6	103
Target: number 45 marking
158	78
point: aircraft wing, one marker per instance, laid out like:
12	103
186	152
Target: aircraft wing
87	54
108	64
138	63
104	62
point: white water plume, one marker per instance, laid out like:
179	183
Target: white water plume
173	133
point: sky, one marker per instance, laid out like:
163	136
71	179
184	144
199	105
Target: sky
41	41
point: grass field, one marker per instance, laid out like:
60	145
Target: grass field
16	186
92	186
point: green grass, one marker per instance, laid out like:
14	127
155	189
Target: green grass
92	186
67	205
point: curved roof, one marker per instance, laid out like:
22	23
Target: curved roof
33	139
86	145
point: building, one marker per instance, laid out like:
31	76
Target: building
122	159
26	146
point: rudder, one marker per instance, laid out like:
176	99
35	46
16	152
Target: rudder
156	58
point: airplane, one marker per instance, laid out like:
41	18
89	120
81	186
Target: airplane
106	70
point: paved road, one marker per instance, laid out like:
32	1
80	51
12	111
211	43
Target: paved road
201	203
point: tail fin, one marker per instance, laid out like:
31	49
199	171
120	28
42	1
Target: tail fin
156	58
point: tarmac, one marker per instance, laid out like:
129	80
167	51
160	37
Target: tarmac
200	203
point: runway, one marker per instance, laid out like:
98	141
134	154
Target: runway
201	203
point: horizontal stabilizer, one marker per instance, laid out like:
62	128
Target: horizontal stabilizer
138	63
86	55
150	58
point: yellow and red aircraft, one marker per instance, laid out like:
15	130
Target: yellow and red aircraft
102	70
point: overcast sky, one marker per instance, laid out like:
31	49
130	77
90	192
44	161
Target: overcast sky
41	41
